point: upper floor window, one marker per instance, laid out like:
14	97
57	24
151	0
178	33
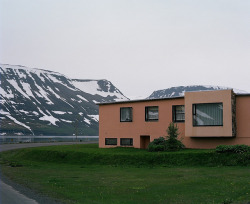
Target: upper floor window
208	114
178	113
126	114
151	113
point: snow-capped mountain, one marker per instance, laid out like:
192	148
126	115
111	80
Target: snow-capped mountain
41	102
180	90
104	90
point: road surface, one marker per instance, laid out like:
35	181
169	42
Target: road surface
13	193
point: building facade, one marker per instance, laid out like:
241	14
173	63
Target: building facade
205	119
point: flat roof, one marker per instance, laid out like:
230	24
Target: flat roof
243	94
140	100
155	99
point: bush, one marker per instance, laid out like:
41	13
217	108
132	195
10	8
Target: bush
232	149
156	148
174	145
171	143
157	145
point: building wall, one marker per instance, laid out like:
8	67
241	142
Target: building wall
242	130
223	96
111	127
243	117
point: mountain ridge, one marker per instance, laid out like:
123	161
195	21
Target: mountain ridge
42	102
180	90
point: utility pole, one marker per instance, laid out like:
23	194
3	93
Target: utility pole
76	125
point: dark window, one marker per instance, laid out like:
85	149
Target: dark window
208	114
126	114
126	142
151	113
178	113
110	141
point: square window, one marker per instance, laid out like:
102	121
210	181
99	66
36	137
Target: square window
208	114
126	114
178	113
110	141
126	141
151	113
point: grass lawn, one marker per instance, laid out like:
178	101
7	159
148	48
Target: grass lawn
72	179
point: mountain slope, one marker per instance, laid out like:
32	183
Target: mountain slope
180	90
42	102
103	89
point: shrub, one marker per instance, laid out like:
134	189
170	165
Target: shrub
155	148
157	145
174	145
232	149
171	143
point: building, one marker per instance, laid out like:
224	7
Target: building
205	119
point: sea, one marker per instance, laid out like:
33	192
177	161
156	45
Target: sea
29	139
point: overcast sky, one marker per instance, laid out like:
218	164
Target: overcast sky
139	45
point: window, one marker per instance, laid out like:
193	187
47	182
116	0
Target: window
110	141
126	114
151	113
178	113
208	114
126	142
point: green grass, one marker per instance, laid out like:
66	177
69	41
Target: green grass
101	177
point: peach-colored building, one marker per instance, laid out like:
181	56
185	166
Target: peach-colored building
205	119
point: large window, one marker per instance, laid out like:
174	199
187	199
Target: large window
110	141
151	113
178	113
126	114
208	114
126	142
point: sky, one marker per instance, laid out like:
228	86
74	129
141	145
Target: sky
139	45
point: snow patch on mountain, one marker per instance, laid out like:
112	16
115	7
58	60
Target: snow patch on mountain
18	68
67	121
59	112
20	123
102	88
4	112
23	111
95	117
56	95
16	86
7	94
87	120
49	118
82	98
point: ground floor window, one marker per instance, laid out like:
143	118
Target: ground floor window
126	142
110	141
208	114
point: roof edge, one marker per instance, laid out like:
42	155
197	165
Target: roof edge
242	94
156	99
139	100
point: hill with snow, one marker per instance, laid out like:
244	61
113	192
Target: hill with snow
180	90
41	102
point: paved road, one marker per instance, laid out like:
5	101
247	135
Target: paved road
12	193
